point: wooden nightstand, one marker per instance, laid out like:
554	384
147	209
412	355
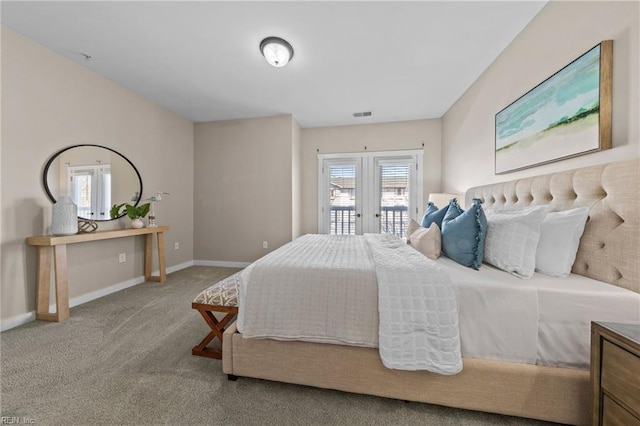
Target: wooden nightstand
615	374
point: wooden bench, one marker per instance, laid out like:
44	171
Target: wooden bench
220	297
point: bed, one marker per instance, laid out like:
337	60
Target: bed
608	253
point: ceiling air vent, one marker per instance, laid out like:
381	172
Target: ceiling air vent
362	114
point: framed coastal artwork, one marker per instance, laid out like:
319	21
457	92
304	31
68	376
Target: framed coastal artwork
566	115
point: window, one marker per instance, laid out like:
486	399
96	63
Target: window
392	192
342	197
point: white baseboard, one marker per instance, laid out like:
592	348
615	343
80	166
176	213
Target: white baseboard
221	263
88	297
177	267
17	320
21	319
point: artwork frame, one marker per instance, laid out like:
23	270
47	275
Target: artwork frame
566	115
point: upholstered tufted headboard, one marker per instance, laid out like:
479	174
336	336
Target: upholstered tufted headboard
610	246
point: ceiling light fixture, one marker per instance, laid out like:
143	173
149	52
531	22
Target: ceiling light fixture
276	51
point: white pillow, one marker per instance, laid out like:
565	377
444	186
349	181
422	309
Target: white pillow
413	227
427	241
559	241
512	239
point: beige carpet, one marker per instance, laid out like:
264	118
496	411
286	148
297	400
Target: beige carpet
126	359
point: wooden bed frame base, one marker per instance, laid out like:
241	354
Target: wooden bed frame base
546	393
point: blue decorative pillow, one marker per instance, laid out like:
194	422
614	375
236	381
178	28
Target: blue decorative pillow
463	234
433	215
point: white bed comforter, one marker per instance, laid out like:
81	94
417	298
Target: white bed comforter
311	287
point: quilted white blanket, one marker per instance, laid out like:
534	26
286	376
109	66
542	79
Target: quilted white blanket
417	308
310	288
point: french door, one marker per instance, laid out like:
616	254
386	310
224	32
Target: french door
90	189
342	196
376	192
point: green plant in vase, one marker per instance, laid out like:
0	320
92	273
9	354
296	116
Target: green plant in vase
135	213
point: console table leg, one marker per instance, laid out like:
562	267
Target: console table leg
148	248
161	260
44	282
62	288
162	267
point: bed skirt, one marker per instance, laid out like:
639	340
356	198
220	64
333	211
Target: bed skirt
546	393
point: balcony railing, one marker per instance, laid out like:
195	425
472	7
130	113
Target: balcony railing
393	220
343	220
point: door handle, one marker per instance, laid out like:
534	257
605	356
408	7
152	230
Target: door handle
377	214
358	215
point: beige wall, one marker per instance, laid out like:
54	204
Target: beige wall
375	137
561	32
296	181
243	187
50	102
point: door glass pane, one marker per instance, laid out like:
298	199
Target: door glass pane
394	197
342	199
81	193
105	194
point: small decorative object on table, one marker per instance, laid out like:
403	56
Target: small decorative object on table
135	213
86	226
152	212
64	217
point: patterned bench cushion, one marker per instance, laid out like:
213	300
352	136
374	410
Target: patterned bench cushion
222	293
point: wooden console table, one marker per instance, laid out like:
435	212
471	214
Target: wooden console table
58	245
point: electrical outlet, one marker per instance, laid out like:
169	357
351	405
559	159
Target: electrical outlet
176	246
265	244
122	257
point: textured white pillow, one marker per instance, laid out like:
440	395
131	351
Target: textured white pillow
559	241
512	239
427	241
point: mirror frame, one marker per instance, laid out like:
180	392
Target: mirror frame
56	154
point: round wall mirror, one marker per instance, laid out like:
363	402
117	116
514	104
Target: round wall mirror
95	177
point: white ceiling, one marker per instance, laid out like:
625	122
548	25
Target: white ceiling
400	60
